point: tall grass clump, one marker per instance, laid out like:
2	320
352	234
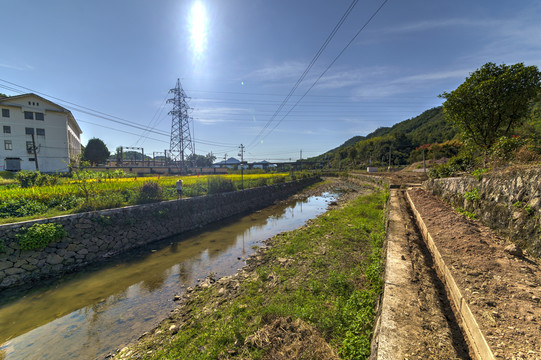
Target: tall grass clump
219	184
149	192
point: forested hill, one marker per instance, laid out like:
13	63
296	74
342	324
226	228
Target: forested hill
402	138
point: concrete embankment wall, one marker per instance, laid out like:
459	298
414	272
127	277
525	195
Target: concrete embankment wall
508	202
94	236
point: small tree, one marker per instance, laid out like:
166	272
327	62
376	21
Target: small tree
492	101
95	151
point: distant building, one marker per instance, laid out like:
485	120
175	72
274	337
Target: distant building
30	121
263	165
229	163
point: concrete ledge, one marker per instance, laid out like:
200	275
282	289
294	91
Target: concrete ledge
476	339
390	332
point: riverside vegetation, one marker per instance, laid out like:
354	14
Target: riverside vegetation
311	293
30	194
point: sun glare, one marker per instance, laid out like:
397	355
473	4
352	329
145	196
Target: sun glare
198	28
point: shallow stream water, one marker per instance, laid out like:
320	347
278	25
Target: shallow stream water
91	314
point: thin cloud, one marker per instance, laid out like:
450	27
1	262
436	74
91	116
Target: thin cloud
15	67
424	26
277	72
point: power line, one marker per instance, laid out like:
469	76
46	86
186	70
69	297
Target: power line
328	67
314	96
308	68
155	120
111	118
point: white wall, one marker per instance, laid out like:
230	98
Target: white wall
52	153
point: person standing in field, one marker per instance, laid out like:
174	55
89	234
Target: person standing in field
179	189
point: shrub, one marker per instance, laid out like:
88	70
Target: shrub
196	189
149	192
28	179
261	182
220	185
277	180
461	163
505	147
21	207
38	236
478	173
472	195
65	202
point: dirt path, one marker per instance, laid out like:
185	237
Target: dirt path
502	290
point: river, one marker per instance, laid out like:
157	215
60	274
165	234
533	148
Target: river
90	314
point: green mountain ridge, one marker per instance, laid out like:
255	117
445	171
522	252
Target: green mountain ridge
399	140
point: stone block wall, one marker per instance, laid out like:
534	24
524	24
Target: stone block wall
95	236
508	202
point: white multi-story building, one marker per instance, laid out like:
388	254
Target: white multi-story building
36	133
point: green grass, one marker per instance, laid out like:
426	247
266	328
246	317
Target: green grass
332	281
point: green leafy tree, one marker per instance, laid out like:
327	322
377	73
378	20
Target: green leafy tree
95	151
201	160
492	101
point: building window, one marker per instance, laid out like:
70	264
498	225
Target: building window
8	145
29	115
5	112
39	116
7	129
29	147
31	159
40	132
29	131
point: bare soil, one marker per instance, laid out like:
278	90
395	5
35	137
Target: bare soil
502	290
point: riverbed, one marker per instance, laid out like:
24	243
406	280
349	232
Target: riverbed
91	314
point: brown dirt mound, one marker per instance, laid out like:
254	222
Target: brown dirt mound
286	339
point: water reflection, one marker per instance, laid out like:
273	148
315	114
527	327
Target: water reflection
88	315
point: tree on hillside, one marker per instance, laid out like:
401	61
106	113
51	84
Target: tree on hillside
492	101
95	151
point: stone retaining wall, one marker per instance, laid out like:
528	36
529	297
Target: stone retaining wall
94	236
508	202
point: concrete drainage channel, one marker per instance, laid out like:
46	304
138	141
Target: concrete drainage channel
475	337
416	319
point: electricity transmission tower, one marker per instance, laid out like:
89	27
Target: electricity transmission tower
181	139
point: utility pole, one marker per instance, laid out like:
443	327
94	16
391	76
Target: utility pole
424	162
181	139
301	160
389	168
241	154
34	147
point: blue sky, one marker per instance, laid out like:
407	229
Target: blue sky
237	60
